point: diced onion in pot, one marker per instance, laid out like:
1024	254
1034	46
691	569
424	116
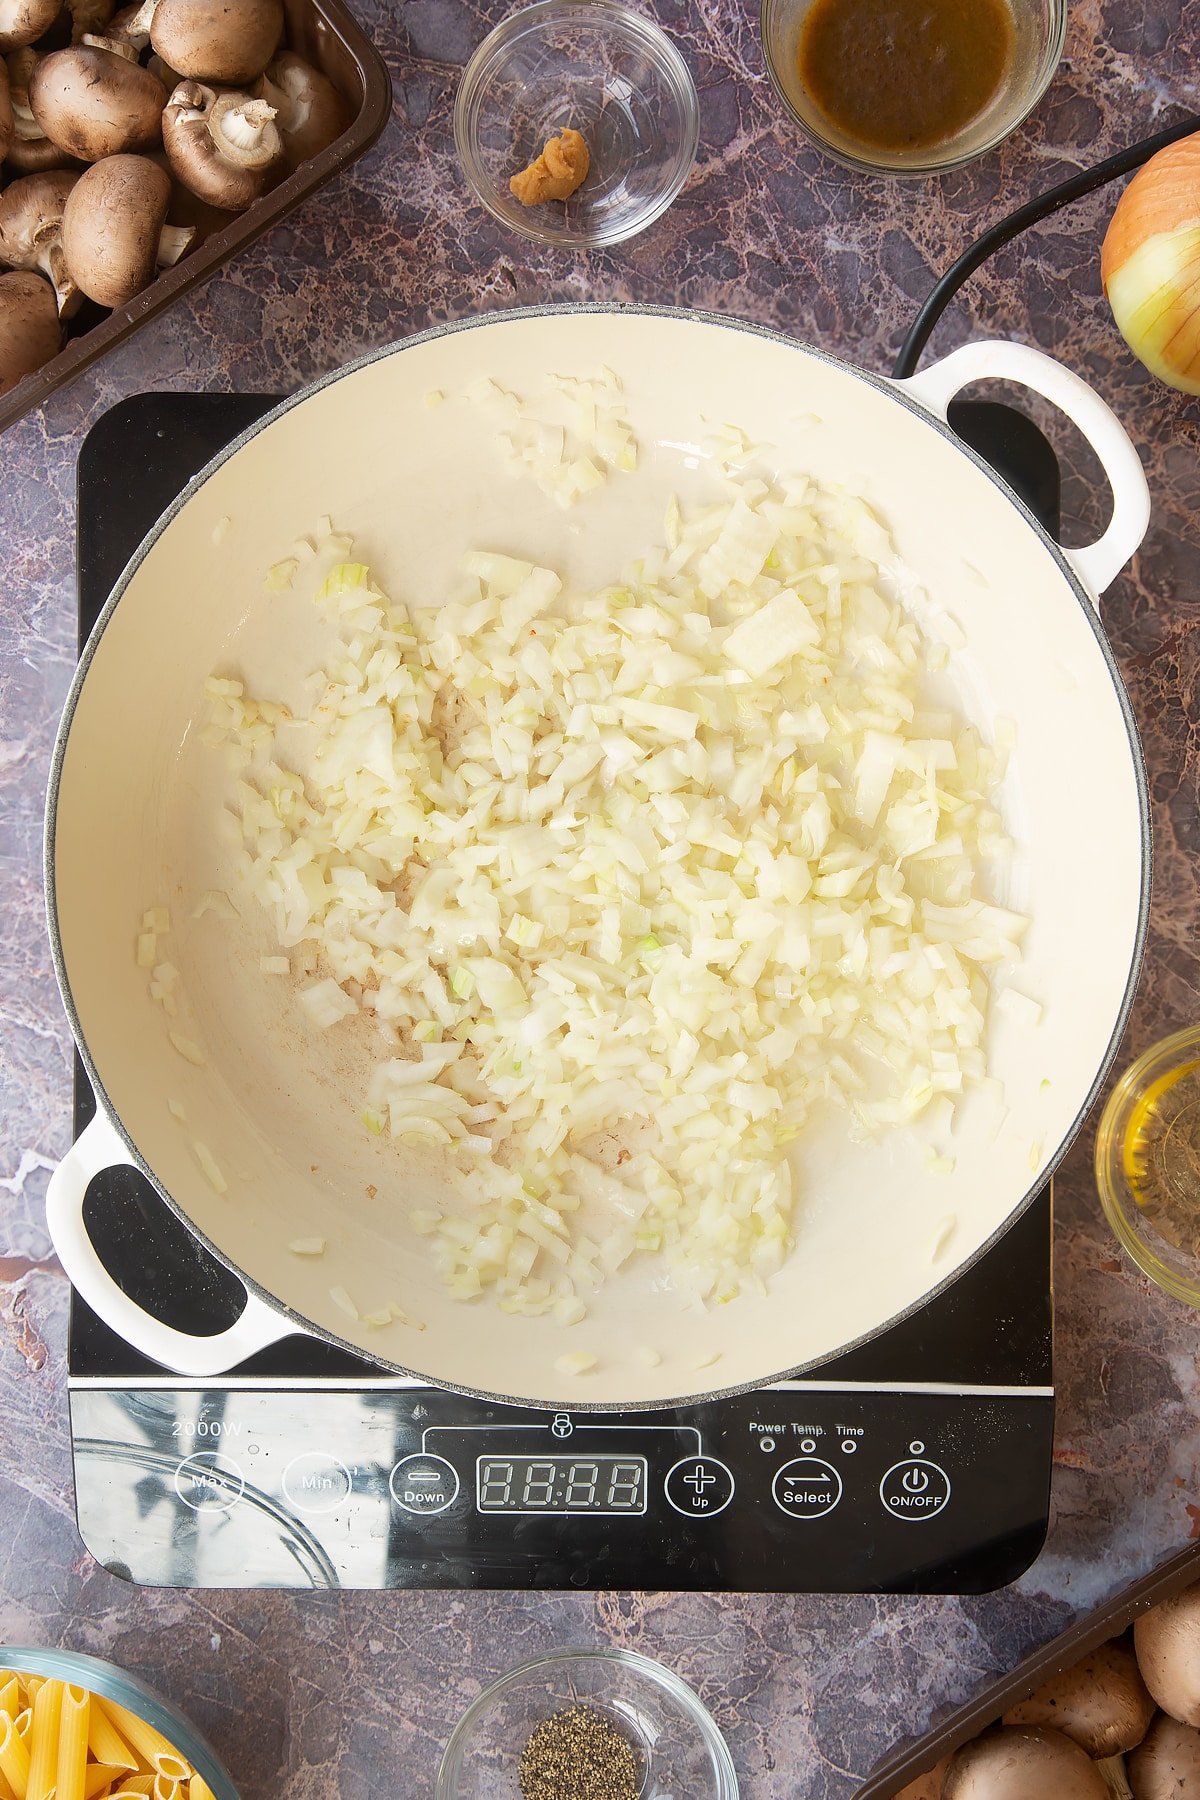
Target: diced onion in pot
629	882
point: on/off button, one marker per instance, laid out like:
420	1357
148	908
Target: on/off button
914	1489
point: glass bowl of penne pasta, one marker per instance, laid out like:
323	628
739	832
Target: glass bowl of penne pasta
75	1728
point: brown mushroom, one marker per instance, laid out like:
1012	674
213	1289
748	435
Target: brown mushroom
927	1786
1166	1765
1167	1641
114	231
31	212
226	41
6	111
1023	1762
309	111
169	77
224	147
30	329
31	152
93	102
1101	1703
89	16
22	21
130	25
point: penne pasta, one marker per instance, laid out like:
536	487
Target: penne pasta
61	1741
43	1741
172	1767
105	1741
71	1760
99	1777
14	1757
150	1745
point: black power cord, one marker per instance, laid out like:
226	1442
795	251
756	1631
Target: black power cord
1032	213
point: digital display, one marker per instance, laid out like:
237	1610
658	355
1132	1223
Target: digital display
561	1484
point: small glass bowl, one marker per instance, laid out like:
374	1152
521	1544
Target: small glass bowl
683	1755
604	71
113	1683
1040	33
1175	1270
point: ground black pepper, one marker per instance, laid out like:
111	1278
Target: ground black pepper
579	1754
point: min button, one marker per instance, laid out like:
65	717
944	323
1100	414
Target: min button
314	1482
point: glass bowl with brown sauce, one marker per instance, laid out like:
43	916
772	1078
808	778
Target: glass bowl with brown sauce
911	87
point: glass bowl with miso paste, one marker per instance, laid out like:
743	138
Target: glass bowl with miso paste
911	87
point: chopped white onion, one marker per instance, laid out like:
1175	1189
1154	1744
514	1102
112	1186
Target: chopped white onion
630	881
208	1164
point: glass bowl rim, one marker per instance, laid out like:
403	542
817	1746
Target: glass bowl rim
667	56
1108	1159
1051	58
657	1673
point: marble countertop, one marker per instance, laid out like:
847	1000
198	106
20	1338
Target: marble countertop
355	1695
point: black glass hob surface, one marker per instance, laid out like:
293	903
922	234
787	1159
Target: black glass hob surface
919	1463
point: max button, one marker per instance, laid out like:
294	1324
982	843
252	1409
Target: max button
914	1489
424	1484
699	1487
209	1483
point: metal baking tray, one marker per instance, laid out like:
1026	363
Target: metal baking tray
326	35
907	1761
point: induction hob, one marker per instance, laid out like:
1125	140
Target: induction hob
918	1463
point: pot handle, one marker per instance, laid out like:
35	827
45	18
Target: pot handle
97	1148
999	359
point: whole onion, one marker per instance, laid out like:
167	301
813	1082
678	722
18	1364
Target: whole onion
1150	265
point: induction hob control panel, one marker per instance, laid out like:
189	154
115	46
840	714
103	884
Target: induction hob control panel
791	1487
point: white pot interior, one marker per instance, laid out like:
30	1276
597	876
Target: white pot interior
137	824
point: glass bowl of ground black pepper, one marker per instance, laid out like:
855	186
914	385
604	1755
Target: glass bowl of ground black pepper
911	87
1148	1163
587	1725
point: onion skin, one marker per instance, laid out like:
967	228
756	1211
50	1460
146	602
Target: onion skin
1150	265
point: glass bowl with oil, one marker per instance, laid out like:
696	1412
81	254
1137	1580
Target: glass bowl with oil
1148	1163
911	87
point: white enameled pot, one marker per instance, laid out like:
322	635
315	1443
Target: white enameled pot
133	804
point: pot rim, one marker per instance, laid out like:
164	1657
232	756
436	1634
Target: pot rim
892	390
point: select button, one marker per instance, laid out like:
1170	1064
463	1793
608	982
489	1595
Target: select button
807	1488
424	1484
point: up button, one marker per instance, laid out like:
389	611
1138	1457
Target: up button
916	1488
